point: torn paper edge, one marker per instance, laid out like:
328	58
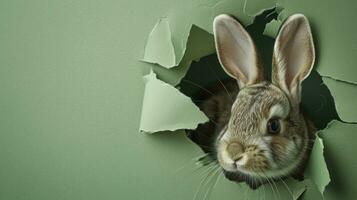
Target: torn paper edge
339	80
256	14
333	94
253	15
318	150
171	127
150	44
185	40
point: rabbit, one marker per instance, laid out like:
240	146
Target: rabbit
263	133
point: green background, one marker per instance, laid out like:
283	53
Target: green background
71	93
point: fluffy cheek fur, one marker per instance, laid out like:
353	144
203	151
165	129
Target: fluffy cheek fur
283	151
275	155
287	151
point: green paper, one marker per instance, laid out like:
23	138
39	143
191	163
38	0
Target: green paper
161	33
340	155
166	109
71	98
255	7
272	28
200	42
312	192
316	170
345	95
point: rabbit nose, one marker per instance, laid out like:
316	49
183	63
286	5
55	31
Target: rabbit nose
235	151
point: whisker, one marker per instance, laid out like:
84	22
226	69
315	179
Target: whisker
209	148
200	167
226	111
185	165
199	100
216	123
211	169
209	189
287	187
192	160
271	186
231	98
262	184
268	15
199	86
276	188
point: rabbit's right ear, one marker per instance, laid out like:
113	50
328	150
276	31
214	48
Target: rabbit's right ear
236	51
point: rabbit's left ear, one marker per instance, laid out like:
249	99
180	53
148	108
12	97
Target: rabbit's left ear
294	55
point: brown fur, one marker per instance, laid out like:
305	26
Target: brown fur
218	109
239	132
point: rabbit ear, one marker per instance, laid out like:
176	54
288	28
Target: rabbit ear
294	55
236	51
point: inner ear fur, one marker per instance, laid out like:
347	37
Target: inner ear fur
236	51
293	56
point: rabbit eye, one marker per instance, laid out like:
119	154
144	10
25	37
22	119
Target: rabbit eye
273	126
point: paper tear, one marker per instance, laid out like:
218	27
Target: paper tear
272	28
199	43
176	27
340	150
166	109
345	95
332	24
204	160
340	80
311	192
200	19
159	48
253	8
316	170
297	189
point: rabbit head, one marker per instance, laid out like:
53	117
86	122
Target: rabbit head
267	134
